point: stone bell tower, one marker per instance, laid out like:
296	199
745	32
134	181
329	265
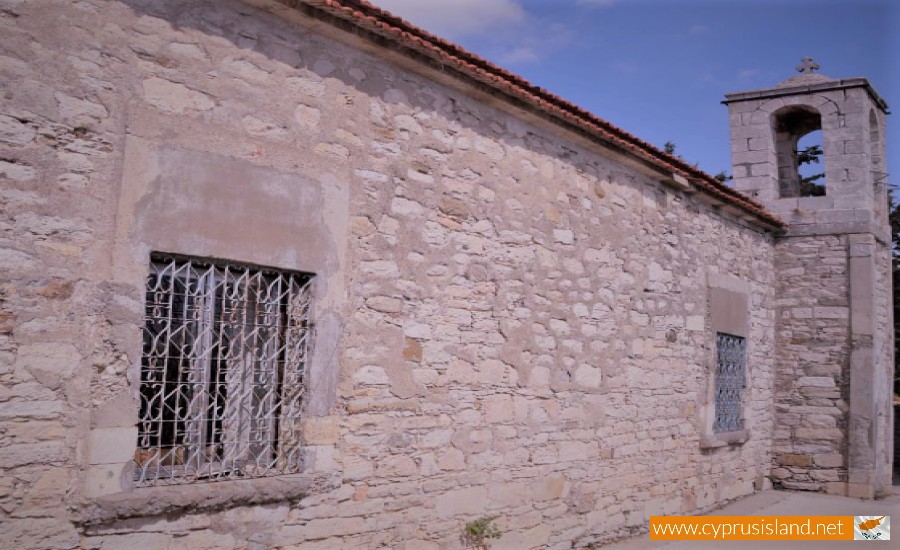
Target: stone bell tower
834	335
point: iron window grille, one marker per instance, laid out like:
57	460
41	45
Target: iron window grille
223	371
731	379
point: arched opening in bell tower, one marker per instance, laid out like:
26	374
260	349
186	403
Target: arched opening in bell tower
799	150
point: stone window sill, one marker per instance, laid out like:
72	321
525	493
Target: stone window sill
712	441
201	497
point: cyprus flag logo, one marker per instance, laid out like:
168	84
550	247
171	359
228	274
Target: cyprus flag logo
871	527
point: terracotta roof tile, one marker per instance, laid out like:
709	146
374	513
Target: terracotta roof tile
374	19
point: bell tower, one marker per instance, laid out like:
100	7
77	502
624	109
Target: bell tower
811	149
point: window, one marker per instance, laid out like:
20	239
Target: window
225	351
731	370
799	149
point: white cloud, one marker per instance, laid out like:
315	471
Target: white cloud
627	67
454	18
501	30
531	42
748	73
698	29
522	54
597	3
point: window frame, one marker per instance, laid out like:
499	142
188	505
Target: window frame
729	305
216	442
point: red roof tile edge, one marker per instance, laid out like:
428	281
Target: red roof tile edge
374	19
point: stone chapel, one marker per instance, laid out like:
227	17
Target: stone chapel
297	274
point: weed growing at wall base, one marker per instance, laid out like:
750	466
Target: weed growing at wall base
478	531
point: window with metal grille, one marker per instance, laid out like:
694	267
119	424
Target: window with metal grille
225	351
731	376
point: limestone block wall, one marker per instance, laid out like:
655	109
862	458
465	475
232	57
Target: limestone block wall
821	332
512	321
812	382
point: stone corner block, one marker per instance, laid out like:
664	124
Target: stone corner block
860	490
103	480
322	430
471	500
794	459
111	445
320	459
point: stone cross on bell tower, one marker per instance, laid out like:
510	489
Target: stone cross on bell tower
834	351
807	65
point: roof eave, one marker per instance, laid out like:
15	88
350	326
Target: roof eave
841	84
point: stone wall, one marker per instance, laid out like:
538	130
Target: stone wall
812	381
816	342
513	320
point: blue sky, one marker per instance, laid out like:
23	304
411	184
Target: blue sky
660	68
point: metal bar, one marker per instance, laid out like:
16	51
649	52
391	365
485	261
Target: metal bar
731	369
221	386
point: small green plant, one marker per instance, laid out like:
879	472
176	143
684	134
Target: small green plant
478	532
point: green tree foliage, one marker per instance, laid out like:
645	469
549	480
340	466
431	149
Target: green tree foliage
723	177
478	532
809	155
808	185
